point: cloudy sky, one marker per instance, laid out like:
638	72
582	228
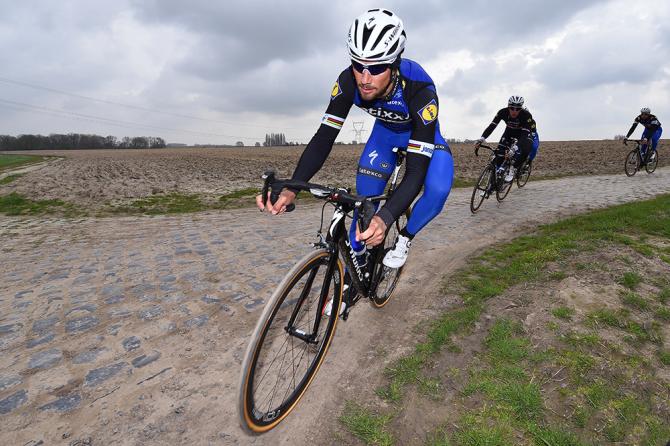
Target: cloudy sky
208	71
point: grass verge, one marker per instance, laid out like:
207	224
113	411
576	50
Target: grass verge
13	161
10	178
511	402
16	204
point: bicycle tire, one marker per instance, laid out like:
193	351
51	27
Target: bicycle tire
483	184
651	165
504	186
523	177
387	278
632	163
254	418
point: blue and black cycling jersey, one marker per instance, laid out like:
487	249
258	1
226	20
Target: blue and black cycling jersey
411	108
523	126
650	122
652	130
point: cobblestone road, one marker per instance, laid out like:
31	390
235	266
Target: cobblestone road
130	330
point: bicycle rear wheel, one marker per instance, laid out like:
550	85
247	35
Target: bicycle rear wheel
387	278
652	162
483	185
524	175
283	357
503	186
632	163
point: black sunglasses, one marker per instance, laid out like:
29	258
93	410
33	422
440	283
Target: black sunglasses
373	69
515	108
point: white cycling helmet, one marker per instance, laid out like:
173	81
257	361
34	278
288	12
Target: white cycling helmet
645	110
376	37
515	101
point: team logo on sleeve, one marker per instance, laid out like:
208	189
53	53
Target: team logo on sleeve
336	91
428	113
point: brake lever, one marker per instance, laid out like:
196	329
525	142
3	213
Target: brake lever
275	187
366	212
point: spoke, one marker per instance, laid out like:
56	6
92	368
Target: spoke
257	386
293	374
274	390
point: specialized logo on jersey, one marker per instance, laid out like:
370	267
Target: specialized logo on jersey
332	121
372	156
336	91
428	113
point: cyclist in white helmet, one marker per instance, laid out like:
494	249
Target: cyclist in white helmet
520	125
403	99
652	130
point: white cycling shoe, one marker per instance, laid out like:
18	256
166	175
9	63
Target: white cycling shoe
510	174
397	257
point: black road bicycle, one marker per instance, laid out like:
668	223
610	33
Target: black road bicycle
635	160
492	178
293	334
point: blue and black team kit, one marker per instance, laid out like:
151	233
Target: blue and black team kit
523	128
407	117
652	129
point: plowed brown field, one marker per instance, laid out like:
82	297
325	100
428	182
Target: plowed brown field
95	178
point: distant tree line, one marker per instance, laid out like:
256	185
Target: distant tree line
275	139
73	141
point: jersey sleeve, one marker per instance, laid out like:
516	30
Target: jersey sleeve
636	121
321	144
423	108
528	122
496	120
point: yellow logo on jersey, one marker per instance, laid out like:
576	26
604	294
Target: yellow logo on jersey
336	91
429	112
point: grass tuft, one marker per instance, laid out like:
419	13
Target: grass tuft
630	280
369	427
563	313
634	300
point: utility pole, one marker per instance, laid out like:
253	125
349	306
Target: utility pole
358	130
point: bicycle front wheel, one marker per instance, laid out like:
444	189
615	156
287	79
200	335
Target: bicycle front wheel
650	167
387	278
632	163
289	344
482	188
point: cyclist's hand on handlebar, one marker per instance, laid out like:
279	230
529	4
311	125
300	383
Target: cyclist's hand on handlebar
374	235
286	198
625	141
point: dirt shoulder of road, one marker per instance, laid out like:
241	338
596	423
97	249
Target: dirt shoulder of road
560	337
127	180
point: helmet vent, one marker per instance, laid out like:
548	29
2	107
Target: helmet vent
366	35
381	35
394	47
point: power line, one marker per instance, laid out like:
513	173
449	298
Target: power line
134	107
108	121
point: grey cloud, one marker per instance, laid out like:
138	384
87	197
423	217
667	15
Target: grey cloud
237	37
603	57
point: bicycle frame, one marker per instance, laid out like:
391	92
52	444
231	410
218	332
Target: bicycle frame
337	242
